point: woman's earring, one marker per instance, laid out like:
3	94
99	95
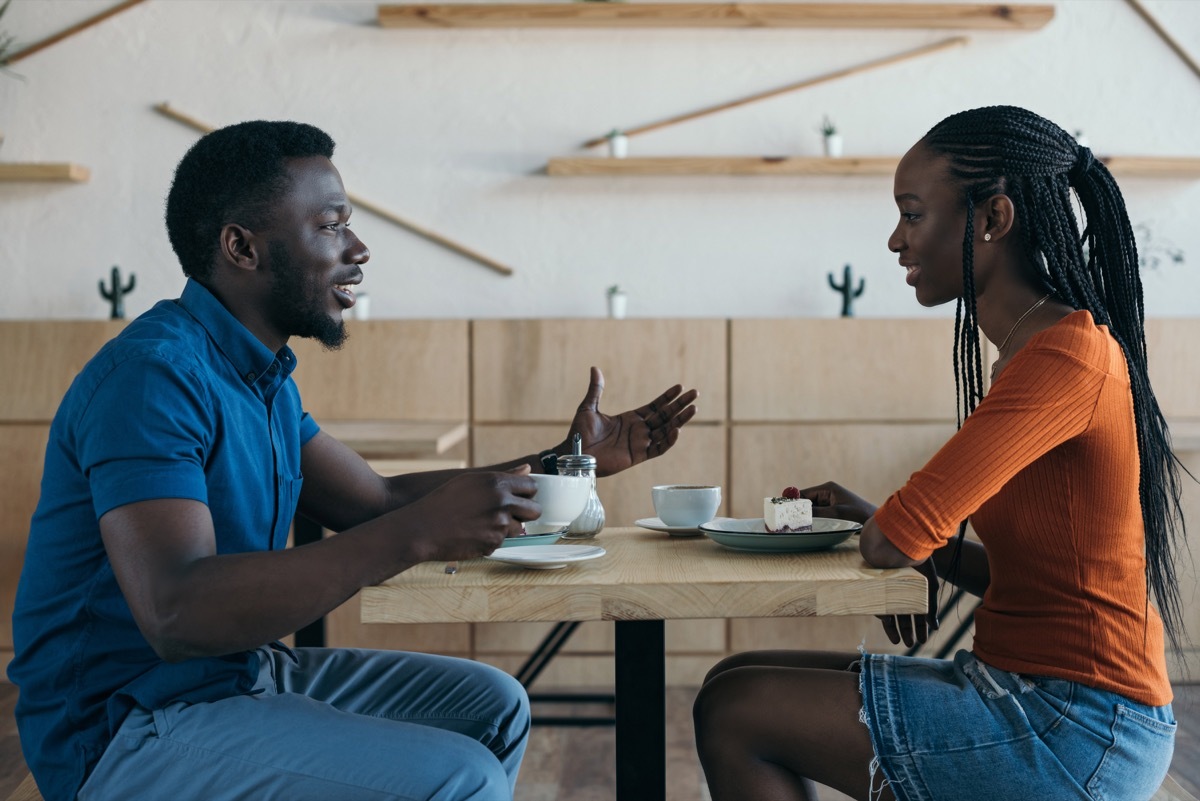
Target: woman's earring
987	237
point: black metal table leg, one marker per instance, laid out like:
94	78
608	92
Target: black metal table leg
305	531
641	711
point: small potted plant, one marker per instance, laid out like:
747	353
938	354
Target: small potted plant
618	144
833	139
616	302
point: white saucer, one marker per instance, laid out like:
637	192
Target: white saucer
546	557
655	524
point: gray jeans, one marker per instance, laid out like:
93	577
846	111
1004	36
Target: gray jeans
339	725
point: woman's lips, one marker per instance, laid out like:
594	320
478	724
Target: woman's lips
914	273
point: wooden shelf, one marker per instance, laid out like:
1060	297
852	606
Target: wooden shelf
722	165
959	16
392	439
1138	166
14	172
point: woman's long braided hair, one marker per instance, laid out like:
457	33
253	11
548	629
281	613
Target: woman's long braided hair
1012	151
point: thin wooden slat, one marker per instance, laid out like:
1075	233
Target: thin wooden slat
71	31
1132	166
361	202
1163	34
846	72
50	171
981	16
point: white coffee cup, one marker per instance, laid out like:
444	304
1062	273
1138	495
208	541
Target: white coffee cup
562	499
686	504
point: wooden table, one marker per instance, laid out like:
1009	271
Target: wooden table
644	579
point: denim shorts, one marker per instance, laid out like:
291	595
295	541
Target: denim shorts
951	730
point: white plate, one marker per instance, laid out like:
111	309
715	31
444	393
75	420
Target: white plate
546	557
751	535
655	524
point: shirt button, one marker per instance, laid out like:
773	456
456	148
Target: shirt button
250	376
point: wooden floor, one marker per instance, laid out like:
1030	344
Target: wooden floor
575	764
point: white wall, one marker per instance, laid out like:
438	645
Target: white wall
451	129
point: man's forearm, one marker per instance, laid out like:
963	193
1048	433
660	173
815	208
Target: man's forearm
226	603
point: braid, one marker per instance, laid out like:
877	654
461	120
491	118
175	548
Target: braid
1004	149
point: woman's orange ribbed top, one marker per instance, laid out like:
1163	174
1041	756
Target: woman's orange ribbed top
1046	468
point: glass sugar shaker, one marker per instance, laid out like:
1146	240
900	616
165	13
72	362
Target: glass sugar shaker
591	519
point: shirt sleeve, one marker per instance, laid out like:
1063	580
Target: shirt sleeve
1043	398
308	428
146	434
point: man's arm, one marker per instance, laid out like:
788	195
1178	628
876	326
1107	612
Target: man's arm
190	601
341	490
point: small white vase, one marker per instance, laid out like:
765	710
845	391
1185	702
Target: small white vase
833	145
618	146
616	305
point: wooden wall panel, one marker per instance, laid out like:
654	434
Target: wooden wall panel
697	458
1188	567
39	359
388	370
22	450
537	370
871	459
1173	348
844	369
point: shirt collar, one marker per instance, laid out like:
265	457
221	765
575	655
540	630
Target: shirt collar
252	360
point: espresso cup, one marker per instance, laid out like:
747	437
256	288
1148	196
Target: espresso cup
562	499
685	504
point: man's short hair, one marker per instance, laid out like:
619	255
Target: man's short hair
233	175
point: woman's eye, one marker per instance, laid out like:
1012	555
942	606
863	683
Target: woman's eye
909	216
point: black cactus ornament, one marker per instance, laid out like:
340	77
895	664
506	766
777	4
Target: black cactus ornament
848	296
116	294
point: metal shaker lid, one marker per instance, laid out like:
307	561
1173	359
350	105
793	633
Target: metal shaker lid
577	461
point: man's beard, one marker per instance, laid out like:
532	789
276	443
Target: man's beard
297	304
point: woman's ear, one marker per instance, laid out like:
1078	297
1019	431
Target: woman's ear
999	216
239	247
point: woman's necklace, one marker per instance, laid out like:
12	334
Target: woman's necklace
1013	330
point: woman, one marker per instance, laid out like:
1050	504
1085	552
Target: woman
1066	473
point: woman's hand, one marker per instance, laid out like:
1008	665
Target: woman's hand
834	500
914	629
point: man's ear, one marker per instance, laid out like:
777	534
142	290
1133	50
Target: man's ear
999	216
240	247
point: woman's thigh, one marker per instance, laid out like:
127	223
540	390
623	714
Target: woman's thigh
820	660
771	709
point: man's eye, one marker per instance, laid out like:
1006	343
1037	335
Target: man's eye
909	216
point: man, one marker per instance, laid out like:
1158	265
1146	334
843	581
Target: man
157	583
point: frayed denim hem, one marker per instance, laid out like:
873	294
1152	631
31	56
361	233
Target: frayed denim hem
875	769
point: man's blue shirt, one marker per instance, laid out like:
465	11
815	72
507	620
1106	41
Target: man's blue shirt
184	403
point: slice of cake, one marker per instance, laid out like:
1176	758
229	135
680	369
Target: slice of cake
788	513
